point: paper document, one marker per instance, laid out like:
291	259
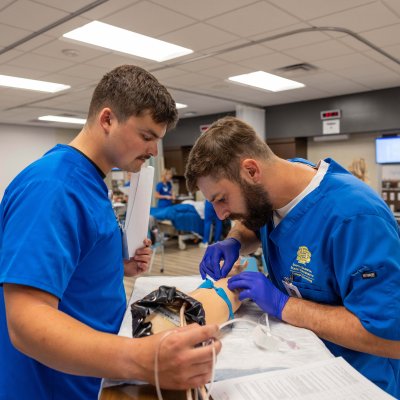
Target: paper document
138	210
333	379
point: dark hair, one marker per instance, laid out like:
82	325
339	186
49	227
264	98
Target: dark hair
129	91
219	150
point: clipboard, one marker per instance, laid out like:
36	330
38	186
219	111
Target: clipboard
138	211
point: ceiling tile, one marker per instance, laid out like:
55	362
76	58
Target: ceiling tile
359	19
226	70
67	26
319	51
384	36
308	9
112	60
244	53
260	17
201	10
187	80
70	5
21	72
55	49
34	43
198	37
340	86
202	64
21	12
108	8
393	5
9	55
73	81
136	19
40	63
85	71
210	28
383	60
5	4
10	34
269	62
342	62
296	40
381	82
167	73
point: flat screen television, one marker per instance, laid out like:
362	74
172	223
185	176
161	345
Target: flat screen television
388	150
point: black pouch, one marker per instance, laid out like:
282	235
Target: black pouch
164	296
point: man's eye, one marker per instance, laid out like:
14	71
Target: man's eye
147	138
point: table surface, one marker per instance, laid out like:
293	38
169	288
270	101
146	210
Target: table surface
142	392
238	347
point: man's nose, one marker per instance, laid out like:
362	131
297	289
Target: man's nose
154	149
222	212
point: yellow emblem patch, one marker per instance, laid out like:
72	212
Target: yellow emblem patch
303	255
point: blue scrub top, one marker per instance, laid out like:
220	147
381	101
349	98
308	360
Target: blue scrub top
341	246
164	189
59	234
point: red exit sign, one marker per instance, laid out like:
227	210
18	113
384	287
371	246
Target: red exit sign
330	114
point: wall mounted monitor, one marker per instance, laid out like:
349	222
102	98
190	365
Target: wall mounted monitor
388	150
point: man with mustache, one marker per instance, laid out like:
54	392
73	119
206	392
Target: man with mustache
62	297
330	244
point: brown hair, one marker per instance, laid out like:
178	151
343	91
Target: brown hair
129	91
218	151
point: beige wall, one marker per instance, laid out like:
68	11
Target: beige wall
345	151
21	145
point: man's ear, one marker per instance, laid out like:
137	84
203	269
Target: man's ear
250	170
106	117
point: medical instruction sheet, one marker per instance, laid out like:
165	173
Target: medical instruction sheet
332	379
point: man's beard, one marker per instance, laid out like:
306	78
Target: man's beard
258	206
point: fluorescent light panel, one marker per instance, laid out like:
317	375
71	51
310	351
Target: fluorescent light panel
31	84
266	81
111	37
180	105
68	120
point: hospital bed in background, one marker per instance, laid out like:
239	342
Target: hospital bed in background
185	220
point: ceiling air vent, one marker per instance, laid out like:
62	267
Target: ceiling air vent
296	69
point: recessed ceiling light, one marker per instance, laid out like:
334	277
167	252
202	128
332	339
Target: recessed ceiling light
31	84
68	120
180	105
70	52
266	81
111	37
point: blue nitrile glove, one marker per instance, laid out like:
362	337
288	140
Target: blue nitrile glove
257	287
227	250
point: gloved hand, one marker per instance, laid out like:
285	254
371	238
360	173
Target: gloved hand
227	250
257	287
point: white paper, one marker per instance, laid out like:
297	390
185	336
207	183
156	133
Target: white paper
138	209
331	126
333	379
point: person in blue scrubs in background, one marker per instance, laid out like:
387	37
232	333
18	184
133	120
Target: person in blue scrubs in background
62	297
164	190
210	219
331	245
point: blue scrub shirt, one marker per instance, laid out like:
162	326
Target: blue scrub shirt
58	233
164	189
341	246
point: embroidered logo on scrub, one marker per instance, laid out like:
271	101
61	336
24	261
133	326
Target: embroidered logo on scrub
303	255
300	269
